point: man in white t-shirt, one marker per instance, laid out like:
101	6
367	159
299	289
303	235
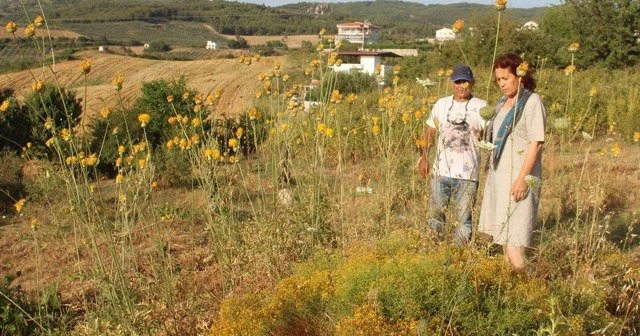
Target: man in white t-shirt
454	176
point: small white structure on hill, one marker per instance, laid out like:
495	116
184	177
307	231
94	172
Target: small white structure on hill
369	61
445	34
211	45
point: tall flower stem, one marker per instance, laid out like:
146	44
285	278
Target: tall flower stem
493	59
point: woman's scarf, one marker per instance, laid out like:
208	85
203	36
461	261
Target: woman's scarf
509	122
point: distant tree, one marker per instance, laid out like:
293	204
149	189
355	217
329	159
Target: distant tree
606	31
159	46
556	25
238	43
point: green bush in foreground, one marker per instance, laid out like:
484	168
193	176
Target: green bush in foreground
394	288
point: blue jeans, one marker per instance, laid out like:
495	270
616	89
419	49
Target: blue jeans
457	193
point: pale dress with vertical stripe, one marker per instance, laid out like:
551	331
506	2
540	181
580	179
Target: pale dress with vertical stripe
508	222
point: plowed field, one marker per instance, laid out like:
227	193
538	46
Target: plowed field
238	81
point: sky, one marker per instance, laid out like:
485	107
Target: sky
510	3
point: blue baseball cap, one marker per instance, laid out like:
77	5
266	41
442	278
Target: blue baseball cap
462	72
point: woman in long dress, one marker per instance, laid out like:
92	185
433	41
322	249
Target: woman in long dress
512	191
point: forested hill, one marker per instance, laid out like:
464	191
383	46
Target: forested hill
230	17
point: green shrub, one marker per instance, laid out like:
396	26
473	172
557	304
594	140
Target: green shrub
58	105
15	125
11	183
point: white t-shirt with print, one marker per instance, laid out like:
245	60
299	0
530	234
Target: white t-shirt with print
456	122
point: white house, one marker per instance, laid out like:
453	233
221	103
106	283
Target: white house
530	25
369	60
445	34
211	45
358	32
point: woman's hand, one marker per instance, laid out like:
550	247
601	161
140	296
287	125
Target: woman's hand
519	189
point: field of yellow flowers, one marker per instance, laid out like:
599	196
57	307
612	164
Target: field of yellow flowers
304	221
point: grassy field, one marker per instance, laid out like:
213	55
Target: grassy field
322	229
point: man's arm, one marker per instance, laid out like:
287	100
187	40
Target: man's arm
423	164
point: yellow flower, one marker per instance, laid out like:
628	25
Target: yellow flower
321	127
5	106
615	149
233	142
522	69
501	4
233	159
396	69
172	120
593	91
38	21
37	86
253	113
170	99
195	122
85	66
119	178
569	69
573	47
117	82
329	132
34	224
121	149
118	161
71	160
336	97
322	32
92	160
351	98
239	132
285	78
375	120
142	163
49	142
458	26
65	134
105	111
11	27
375	129
19	205
144	119
284	127
185	95
406	118
421	143
636	136
440	72
30	30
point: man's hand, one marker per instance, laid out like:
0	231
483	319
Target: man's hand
423	167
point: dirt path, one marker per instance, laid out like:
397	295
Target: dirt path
238	81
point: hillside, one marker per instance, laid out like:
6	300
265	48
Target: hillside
238	81
180	22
